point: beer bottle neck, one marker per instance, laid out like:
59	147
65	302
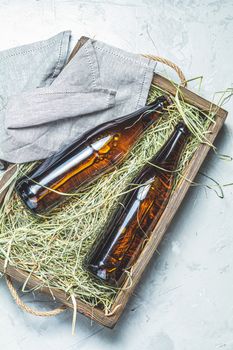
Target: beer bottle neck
152	112
169	155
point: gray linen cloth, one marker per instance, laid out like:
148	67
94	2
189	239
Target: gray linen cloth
100	83
25	68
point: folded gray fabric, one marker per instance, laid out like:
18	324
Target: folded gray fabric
100	83
27	67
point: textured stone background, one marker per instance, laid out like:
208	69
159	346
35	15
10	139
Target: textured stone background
184	301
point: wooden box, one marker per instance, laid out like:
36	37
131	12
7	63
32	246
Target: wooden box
174	203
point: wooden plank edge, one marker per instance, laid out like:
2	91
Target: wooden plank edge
189	97
93	313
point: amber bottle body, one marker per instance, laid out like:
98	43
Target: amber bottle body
118	248
97	152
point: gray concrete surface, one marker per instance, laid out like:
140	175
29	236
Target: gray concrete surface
184	300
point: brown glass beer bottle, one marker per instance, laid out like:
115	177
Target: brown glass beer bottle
138	213
95	153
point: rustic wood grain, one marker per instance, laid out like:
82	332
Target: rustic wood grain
173	205
6	176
